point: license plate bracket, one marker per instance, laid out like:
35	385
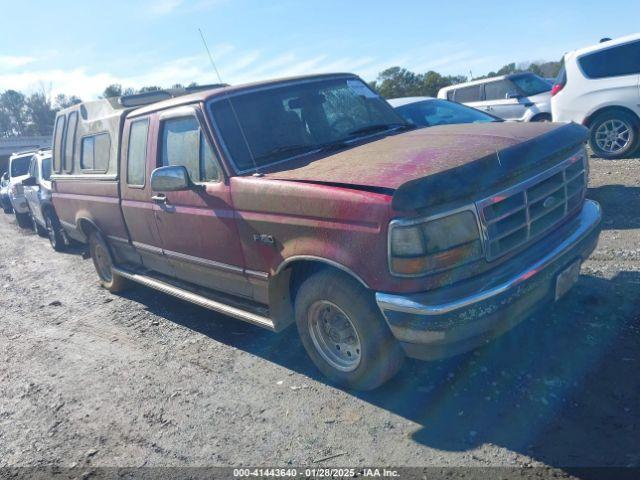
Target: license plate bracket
567	278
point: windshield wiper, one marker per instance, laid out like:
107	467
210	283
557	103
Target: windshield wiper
380	127
287	149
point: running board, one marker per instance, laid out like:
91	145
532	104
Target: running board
196	298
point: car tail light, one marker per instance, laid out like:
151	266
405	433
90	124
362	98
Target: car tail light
556	88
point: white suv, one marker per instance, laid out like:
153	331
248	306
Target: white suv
599	87
521	97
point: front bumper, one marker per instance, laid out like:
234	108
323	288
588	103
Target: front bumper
452	320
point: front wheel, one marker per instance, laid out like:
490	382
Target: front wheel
36	226
103	262
613	135
24	220
54	231
344	333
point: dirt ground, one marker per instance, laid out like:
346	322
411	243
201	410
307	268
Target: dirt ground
91	379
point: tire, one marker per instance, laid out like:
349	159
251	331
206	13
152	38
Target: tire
614	134
36	226
24	220
103	263
54	231
542	117
365	354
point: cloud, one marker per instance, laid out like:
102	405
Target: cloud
165	7
9	62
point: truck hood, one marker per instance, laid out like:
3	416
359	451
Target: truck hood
436	164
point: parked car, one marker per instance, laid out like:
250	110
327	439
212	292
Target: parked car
429	112
599	87
18	171
5	201
310	200
522	97
37	191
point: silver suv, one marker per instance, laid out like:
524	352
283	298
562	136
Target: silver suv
18	171
521	97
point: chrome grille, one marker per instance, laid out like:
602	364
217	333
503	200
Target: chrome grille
520	214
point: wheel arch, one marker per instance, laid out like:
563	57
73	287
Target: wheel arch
609	108
284	283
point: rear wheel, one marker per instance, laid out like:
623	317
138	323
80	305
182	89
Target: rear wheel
36	226
103	262
344	333
54	231
24	220
614	134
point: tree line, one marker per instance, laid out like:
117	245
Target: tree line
34	114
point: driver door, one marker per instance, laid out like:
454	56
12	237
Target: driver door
197	226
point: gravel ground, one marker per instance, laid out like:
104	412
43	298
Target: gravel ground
90	379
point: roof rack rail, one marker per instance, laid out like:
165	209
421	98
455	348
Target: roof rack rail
26	152
147	98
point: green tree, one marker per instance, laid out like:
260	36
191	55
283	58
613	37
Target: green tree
62	101
13	109
41	114
398	82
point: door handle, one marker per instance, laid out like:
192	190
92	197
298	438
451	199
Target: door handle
160	198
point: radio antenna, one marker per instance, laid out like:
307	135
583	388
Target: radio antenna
233	110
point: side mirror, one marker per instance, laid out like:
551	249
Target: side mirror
171	179
513	95
29	182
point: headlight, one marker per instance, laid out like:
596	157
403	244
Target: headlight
434	245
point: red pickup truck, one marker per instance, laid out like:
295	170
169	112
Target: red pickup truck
310	200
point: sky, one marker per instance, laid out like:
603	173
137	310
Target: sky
78	48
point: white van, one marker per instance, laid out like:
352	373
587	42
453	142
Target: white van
522	97
599	87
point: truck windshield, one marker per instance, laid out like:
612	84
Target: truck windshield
20	166
531	84
275	124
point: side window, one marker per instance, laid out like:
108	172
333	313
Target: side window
498	90
450	95
612	62
468	94
70	141
57	143
137	153
87	155
95	152
33	168
46	169
183	143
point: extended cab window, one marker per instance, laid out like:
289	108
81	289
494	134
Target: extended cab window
137	152
183	143
69	148
96	151
612	62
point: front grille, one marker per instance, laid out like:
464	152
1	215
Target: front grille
522	213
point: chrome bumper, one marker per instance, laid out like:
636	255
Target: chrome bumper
414	318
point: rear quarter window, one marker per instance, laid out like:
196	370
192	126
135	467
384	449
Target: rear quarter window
612	62
468	94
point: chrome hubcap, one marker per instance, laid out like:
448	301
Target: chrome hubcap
613	136
334	336
103	263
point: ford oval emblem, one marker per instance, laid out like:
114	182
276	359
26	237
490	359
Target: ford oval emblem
549	202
